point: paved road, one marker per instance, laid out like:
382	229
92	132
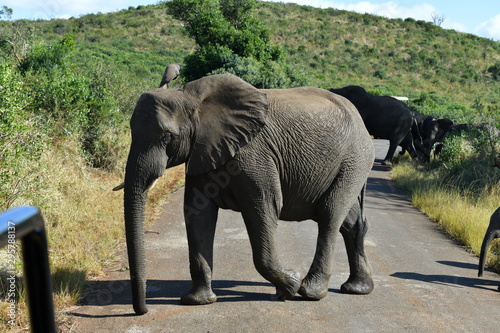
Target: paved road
424	281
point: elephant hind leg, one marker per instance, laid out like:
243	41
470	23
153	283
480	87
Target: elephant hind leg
262	230
315	284
333	210
353	231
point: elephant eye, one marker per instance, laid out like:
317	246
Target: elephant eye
165	139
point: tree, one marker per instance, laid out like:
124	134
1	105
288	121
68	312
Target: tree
437	19
228	35
5	12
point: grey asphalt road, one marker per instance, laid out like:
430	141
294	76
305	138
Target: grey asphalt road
424	281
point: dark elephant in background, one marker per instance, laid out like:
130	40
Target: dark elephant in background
431	130
384	117
492	232
288	154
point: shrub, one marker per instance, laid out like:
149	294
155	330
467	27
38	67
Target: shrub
381	74
466	159
269	75
22	138
47	57
495	71
228	35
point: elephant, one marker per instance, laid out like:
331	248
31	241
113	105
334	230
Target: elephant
492	232
434	130
431	130
171	73
280	154
384	117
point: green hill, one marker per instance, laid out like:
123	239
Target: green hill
331	47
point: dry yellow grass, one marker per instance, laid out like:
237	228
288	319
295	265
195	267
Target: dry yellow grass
464	216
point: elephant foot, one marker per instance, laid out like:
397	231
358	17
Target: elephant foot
200	296
290	286
358	286
314	288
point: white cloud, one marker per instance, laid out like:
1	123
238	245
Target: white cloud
490	28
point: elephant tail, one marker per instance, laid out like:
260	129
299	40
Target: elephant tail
492	232
488	238
361	199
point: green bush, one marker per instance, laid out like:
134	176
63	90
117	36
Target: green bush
22	138
465	161
47	57
229	37
381	74
71	100
266	76
495	71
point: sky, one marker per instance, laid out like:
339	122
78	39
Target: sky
479	17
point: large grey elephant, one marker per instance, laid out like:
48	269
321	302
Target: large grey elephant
492	232
384	117
289	154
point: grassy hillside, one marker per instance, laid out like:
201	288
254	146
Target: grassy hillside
332	47
63	123
405	57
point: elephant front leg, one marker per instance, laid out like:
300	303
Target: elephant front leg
200	217
353	231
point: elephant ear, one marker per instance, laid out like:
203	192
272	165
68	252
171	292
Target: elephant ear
229	113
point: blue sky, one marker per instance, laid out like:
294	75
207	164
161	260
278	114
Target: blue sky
480	17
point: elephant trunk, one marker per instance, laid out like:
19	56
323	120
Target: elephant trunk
490	235
139	176
145	164
134	228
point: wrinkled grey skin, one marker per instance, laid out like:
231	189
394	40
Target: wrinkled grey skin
492	232
289	154
384	117
171	73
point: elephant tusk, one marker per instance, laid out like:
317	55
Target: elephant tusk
119	187
153	184
122	185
